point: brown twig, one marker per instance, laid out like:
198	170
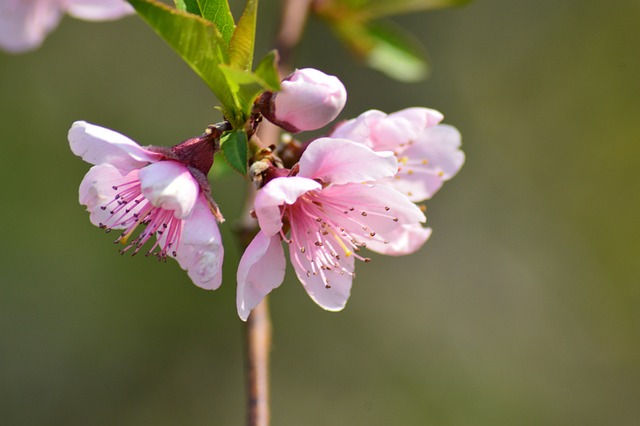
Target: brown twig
258	345
258	329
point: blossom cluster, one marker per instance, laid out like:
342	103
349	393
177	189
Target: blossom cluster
355	188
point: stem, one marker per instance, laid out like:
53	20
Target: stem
258	329
258	340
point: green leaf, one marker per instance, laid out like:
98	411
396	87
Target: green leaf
235	149
243	40
380	8
386	48
198	42
182	5
245	85
366	10
267	70
216	11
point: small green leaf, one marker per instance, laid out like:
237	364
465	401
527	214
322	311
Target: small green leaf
235	149
367	10
216	11
379	8
197	41
182	5
243	40
245	85
386	48
267	70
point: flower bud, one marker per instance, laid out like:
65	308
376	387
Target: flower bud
308	99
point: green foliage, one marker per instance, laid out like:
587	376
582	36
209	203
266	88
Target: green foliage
386	48
203	33
374	9
197	41
379	44
234	148
267	70
216	11
243	40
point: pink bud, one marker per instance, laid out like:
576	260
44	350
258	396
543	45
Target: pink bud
308	99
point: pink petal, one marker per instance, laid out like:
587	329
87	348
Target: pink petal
99	145
261	270
417	187
373	199
359	129
170	185
405	239
420	118
276	193
440	146
98	10
96	190
308	99
25	24
200	251
333	298
340	161
425	165
394	133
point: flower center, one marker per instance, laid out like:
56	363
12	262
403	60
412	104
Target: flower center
324	228
128	209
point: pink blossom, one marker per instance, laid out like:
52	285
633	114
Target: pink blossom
152	190
428	152
25	23
330	210
308	99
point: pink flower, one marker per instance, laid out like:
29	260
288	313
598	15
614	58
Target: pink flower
308	99
330	210
428	153
163	190
25	23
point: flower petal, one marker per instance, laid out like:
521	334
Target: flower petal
434	158
98	10
308	99
261	270
440	145
384	208
340	161
200	251
419	117
333	298
170	185
276	193
25	24
359	129
99	145
405	239
96	191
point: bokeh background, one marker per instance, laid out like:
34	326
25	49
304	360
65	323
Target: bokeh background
522	309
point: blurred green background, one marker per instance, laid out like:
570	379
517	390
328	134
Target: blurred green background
522	309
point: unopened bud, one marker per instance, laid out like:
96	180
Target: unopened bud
308	99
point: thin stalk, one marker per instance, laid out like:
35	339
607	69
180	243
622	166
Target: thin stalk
258	328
